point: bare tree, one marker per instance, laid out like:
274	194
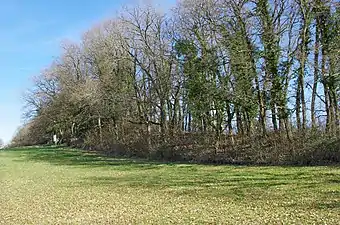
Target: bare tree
2	144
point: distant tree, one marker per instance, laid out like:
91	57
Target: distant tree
2	144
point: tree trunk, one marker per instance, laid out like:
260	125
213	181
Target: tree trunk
325	87
240	129
274	118
262	108
100	131
301	75
189	122
331	111
336	111
303	104
148	136
316	74
163	119
297	106
229	119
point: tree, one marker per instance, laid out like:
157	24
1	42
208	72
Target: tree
220	73
2	144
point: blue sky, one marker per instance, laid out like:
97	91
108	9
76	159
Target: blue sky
31	33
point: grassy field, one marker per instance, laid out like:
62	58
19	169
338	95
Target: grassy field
63	186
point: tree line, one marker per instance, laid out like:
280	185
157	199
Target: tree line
211	80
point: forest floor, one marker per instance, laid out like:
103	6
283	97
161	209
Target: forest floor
64	186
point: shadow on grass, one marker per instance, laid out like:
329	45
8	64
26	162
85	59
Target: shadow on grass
72	157
236	185
236	182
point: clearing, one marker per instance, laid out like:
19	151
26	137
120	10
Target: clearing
63	186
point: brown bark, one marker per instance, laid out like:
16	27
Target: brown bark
325	88
298	106
316	74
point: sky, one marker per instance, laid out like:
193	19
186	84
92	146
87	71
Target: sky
31	32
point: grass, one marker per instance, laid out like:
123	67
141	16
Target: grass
63	186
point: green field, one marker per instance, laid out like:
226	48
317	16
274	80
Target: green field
63	186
